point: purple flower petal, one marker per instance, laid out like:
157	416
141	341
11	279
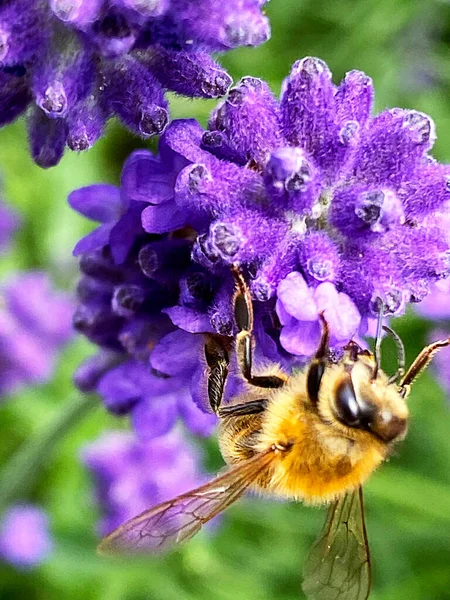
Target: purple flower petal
297	298
100	202
155	415
94	240
163	218
146	178
177	353
197	421
189	319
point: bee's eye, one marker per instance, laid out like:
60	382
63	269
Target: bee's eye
347	407
315	374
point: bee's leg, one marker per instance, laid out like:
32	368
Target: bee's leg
317	366
243	314
420	363
247	408
218	360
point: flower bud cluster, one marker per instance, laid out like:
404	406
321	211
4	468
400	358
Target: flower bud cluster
76	63
324	207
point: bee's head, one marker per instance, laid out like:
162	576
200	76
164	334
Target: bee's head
356	398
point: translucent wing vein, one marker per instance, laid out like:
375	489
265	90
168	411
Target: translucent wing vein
338	565
177	520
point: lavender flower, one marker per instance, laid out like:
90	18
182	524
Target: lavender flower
436	307
76	63
25	540
8	224
35	322
441	361
131	476
323	206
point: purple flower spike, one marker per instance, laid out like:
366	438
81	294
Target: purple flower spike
322	206
132	476
35	323
84	61
25	540
8	225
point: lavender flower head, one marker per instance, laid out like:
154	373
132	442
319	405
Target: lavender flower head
324	207
25	540
35	323
436	307
76	63
131	476
8	225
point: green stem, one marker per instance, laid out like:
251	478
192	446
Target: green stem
22	469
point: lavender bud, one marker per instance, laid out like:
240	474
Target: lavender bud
194	74
136	97
47	138
127	299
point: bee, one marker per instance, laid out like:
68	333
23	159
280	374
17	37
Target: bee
314	436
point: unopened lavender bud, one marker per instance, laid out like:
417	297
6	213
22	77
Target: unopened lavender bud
194	74
86	122
47	138
361	211
78	12
251	101
127	299
147	8
135	96
290	178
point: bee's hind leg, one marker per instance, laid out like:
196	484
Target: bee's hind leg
243	314
218	360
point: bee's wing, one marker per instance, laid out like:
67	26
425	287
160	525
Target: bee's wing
177	520
338	565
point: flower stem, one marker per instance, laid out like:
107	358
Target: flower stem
22	469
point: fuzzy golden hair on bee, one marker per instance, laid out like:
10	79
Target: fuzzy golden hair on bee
314	436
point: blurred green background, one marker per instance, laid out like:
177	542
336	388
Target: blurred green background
258	552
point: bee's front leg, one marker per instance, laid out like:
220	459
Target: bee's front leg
243	314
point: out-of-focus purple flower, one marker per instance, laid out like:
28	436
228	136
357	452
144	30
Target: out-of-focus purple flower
437	304
35	322
79	62
442	358
324	207
8	224
133	475
25	540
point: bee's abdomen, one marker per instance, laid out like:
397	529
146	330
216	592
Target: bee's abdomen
238	437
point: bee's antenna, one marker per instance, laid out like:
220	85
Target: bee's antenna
420	363
400	355
377	352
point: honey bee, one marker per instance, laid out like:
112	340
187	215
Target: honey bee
314	436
